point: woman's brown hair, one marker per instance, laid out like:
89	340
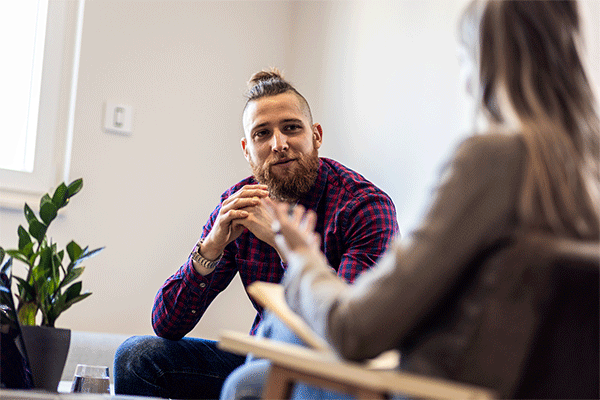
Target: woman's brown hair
528	53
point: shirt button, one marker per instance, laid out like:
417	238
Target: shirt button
193	311
202	284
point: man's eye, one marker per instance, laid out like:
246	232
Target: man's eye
292	127
260	134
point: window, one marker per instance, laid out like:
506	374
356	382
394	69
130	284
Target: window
21	78
41	39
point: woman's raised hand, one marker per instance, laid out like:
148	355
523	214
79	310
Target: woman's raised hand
294	227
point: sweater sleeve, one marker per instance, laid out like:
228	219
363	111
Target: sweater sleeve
473	206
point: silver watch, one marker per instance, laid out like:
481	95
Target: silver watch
197	256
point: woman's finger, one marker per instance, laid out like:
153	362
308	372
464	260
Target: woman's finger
310	221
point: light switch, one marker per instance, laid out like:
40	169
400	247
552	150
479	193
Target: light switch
118	118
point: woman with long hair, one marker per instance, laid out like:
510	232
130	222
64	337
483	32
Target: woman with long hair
531	81
531	168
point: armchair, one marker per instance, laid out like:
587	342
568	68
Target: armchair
546	288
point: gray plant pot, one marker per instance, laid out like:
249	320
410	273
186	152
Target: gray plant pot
47	350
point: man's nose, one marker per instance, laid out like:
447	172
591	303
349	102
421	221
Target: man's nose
279	142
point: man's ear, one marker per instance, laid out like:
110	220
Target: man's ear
245	149
317	135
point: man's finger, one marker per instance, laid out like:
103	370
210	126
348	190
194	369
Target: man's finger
240	203
253	190
233	215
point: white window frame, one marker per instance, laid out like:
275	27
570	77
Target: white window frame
56	109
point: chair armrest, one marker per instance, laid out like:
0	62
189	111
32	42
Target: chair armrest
329	366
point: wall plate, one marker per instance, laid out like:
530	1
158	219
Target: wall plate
118	118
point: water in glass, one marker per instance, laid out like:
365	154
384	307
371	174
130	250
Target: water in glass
91	379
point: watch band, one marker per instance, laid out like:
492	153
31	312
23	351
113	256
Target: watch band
197	256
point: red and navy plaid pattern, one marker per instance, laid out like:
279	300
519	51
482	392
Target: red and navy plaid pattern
356	220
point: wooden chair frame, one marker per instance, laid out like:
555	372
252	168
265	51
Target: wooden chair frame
292	363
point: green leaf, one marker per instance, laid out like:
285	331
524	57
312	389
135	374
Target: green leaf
86	254
89	254
45	199
48	288
56	264
26	291
27	251
60	196
37	230
73	250
50	318
37	280
18	255
74	187
24	238
76	299
14	253
2	253
29	214
27	313
63	304
33	257
44	267
59	305
71	276
48	211
72	291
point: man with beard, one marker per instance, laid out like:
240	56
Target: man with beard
356	220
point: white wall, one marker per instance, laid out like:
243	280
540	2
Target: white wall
387	90
385	85
183	67
381	78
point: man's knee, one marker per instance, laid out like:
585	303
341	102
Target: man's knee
135	366
138	351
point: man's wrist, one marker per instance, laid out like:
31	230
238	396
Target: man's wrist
199	257
208	251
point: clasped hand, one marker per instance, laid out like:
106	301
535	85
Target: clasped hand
294	228
242	210
251	208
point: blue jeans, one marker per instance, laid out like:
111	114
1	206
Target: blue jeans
247	381
189	368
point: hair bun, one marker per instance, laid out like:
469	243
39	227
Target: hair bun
262	76
271	83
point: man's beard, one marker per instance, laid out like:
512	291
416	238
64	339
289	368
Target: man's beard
292	186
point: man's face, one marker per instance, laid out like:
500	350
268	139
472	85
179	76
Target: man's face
281	146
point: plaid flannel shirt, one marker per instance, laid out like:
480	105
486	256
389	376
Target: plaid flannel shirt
356	221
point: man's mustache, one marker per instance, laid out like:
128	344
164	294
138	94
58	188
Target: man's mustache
278	159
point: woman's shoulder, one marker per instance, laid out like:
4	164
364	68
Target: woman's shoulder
493	142
496	147
489	157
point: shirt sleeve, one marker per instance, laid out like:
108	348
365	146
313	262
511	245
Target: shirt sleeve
369	227
472	208
184	297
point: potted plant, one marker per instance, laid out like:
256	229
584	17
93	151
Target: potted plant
50	286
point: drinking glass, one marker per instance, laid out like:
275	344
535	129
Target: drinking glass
91	379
